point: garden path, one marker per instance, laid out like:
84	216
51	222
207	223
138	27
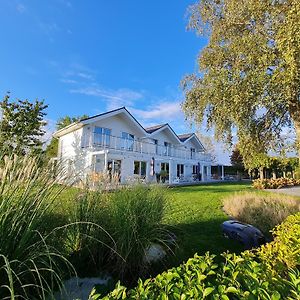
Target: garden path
294	191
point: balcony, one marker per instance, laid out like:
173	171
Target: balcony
102	141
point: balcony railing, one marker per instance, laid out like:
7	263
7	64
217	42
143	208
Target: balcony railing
102	141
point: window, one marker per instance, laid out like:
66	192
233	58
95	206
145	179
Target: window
156	146
195	169
102	136
167	149
193	152
164	167
140	168
128	141
180	170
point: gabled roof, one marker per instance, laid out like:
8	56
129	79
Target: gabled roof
185	136
188	136
148	132
164	127
154	128
89	120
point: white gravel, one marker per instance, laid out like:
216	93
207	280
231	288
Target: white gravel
79	288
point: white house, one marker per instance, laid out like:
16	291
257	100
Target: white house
115	143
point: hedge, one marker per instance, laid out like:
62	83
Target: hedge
271	272
278	183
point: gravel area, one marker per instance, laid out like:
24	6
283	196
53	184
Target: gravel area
294	191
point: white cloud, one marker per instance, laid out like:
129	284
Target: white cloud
164	110
113	98
70	81
21	8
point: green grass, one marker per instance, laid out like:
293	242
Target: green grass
195	213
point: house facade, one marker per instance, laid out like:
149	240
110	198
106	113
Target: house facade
115	143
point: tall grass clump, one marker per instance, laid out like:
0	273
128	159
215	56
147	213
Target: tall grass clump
30	268
87	240
261	210
135	221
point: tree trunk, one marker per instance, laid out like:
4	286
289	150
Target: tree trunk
297	129
261	173
273	174
294	110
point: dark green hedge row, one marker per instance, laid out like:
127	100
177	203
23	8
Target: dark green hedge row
272	272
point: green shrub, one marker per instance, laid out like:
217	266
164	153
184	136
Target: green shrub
135	222
284	251
246	276
278	183
264	211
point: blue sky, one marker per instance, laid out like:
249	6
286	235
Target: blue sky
86	57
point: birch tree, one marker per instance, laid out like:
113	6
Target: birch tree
249	72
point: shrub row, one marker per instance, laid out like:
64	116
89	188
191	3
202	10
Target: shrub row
272	272
278	183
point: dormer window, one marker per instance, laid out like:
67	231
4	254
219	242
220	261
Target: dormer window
193	153
167	149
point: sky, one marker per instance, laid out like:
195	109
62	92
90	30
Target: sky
88	57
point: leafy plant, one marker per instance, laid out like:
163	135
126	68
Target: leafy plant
245	276
21	125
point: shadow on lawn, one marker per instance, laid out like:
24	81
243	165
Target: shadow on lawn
200	237
214	188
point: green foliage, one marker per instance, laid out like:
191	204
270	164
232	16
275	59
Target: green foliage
284	251
112	230
278	183
135	222
246	276
249	73
21	126
67	120
236	159
30	266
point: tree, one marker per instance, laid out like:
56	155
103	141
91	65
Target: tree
67	120
52	148
249	73
208	145
21	125
236	159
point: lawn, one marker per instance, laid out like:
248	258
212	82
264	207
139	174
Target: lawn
195	214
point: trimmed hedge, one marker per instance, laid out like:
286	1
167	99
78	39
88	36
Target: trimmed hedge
271	272
278	183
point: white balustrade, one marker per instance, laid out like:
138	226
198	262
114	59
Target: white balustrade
101	141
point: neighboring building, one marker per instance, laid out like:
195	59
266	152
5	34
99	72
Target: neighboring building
115	143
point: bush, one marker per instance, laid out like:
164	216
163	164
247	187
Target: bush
245	276
284	252
278	183
261	210
134	221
